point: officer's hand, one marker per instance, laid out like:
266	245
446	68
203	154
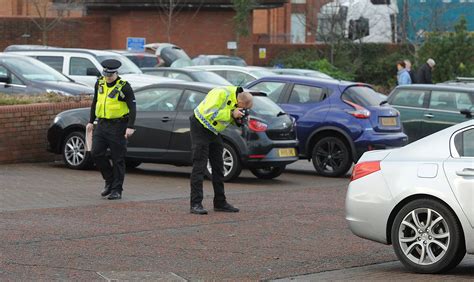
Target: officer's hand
89	127
129	132
237	113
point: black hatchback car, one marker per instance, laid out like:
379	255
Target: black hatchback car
265	144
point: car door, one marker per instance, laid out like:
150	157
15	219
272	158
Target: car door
78	70
459	170
180	145
444	110
411	104
156	113
10	83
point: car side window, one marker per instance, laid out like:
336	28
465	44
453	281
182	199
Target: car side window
16	80
464	143
158	99
192	99
238	78
3	71
302	94
79	66
55	62
409	98
272	89
450	101
178	75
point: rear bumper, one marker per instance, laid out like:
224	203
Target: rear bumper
262	155
371	140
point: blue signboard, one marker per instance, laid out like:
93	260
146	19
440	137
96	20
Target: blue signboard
136	44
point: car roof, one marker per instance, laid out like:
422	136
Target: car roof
11	55
227	67
126	52
309	80
190	84
174	69
66	50
435	87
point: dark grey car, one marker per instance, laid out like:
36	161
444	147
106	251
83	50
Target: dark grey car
265	144
188	74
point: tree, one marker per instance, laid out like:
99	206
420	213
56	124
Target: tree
48	14
243	10
452	51
169	11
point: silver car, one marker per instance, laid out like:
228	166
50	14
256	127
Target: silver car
419	198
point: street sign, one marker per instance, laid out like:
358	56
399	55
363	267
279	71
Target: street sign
262	53
231	45
136	44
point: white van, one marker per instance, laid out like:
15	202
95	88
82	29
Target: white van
84	65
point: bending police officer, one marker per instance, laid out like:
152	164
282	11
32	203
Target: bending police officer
221	107
114	107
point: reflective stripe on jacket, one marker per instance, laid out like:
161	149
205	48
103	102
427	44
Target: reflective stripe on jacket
110	107
214	112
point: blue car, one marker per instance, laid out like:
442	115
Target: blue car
336	121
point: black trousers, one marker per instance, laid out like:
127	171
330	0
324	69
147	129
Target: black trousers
110	135
206	145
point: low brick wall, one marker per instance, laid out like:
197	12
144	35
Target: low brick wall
23	130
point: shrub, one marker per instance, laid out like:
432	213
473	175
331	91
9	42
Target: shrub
6	99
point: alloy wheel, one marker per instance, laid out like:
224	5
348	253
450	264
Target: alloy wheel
228	162
75	151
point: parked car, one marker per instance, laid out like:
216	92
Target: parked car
188	75
24	75
419	199
303	72
141	59
460	81
425	109
337	121
238	76
171	54
219	60
265	145
84	65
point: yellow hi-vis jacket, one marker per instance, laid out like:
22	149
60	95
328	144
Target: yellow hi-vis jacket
214	112
107	107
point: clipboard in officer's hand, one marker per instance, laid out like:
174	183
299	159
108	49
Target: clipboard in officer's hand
89	139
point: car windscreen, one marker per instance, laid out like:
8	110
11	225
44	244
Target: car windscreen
262	73
210	77
263	106
32	69
362	95
229	61
127	65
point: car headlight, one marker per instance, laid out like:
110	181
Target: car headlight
56	119
58	92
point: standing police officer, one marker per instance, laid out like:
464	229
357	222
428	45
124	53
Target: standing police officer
221	107
114	107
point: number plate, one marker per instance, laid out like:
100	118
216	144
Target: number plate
388	121
287	152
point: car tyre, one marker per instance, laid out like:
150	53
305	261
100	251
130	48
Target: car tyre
232	164
74	151
427	237
331	157
267	173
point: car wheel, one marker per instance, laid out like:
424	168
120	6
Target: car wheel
74	151
132	164
268	173
331	157
232	164
427	237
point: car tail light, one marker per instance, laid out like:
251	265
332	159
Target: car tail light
359	111
364	169
257	126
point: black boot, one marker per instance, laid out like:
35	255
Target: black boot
225	207
115	195
107	190
198	209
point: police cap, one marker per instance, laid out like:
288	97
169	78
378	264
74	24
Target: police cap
111	65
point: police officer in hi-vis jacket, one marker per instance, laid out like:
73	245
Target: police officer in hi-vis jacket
114	107
221	107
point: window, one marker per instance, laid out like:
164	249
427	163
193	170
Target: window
464	143
239	78
55	62
380	2
3	71
362	95
272	89
409	98
192	99
305	94
158	99
178	75
450	101
16	80
79	66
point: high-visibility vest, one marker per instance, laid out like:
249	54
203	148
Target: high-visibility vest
110	107
214	112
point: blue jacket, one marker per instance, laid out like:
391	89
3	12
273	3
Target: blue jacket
403	77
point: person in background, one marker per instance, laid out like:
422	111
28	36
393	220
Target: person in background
410	71
423	75
403	77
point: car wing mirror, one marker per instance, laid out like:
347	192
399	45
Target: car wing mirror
93	72
466	112
6	79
